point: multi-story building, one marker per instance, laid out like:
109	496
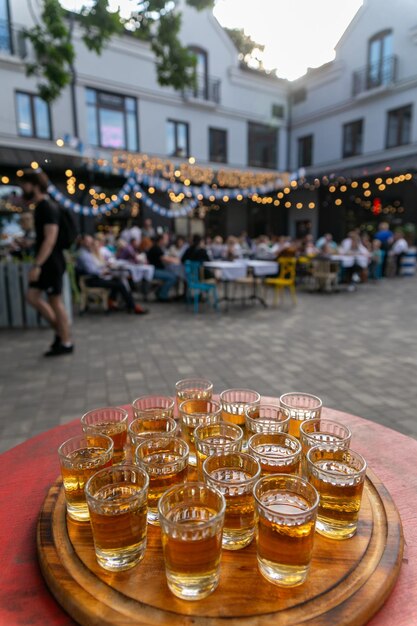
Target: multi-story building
234	118
348	128
354	121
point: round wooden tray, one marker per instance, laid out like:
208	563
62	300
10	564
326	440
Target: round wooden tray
348	582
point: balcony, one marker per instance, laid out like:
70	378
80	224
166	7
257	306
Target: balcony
12	41
207	89
375	75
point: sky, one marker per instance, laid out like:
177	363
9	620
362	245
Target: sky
297	34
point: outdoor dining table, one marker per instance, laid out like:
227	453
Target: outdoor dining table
138	271
29	469
349	260
230	271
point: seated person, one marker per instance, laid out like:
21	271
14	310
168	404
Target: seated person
97	276
126	251
158	257
178	248
197	252
398	248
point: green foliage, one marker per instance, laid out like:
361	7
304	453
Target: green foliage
249	51
53	51
155	21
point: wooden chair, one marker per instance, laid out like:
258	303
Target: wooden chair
98	294
325	274
197	286
285	279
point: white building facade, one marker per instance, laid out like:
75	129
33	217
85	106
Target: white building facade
235	118
356	118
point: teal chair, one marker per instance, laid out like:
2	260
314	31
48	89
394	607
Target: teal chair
196	286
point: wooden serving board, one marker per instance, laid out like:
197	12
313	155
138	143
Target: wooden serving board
348	581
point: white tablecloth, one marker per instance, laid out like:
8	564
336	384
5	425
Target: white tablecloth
233	270
348	260
228	270
137	272
263	268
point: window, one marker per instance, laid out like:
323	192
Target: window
352	138
305	151
278	111
299	95
379	59
262	146
399	127
218	145
201	73
111	120
5	38
177	138
33	116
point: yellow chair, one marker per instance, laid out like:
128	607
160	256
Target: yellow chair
285	279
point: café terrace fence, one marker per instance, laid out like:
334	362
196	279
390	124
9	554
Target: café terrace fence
15	312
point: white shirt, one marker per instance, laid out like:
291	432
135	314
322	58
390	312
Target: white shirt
399	247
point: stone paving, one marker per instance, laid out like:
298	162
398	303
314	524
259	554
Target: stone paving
357	351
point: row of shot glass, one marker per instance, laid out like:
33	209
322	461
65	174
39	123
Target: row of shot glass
238	492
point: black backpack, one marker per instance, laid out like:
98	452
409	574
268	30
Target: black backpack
68	229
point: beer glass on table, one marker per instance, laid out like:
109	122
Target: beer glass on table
193	389
235	402
267	418
164	404
149	425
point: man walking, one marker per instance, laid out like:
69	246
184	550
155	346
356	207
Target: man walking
48	268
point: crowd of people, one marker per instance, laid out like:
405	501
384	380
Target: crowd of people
40	238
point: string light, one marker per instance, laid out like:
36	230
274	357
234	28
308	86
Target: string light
5	180
151	190
34	165
59	143
338	201
68	173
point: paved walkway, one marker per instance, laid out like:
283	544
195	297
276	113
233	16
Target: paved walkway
357	351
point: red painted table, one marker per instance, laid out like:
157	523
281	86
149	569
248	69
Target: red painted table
29	469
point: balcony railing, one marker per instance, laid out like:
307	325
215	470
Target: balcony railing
375	75
206	88
12	41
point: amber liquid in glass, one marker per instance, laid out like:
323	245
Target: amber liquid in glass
118	432
162	478
115	531
340	500
189	560
285	544
193	394
239	520
83	463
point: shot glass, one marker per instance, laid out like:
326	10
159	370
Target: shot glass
234	475
299	407
193	389
339	476
287	509
164	405
235	402
149	426
266	418
192	517
195	413
110	421
216	439
165	459
117	501
322	432
276	453
81	457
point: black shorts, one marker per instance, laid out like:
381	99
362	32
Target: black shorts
50	279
